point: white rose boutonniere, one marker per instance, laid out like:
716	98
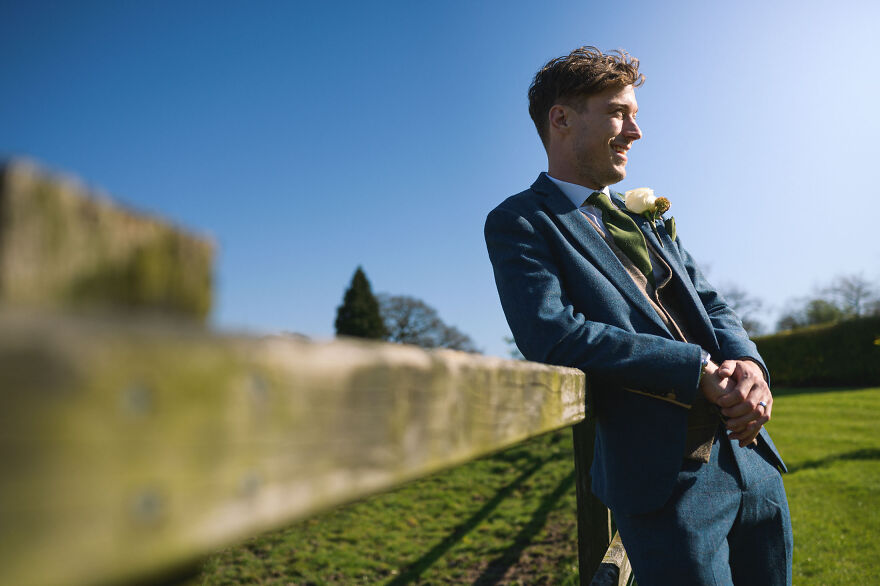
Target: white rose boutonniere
642	201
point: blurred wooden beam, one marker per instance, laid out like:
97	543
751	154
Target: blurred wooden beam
129	447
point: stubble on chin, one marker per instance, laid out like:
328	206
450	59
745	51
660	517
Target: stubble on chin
590	177
616	174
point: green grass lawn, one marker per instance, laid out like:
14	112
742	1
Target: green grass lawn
830	440
506	519
510	518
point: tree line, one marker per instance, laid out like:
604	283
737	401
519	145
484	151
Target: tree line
408	320
395	318
845	297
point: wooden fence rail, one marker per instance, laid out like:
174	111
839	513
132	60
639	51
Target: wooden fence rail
135	442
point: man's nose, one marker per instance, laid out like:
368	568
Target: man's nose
631	130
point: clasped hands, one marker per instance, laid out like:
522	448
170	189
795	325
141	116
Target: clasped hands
739	389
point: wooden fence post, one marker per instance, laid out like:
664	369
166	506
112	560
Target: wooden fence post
594	518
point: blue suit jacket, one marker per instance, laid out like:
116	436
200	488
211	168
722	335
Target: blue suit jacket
569	301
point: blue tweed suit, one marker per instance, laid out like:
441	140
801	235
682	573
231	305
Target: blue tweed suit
569	301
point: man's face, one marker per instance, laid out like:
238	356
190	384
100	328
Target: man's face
601	134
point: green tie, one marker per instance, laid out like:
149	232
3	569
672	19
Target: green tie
625	232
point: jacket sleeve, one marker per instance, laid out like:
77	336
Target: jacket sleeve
548	328
732	338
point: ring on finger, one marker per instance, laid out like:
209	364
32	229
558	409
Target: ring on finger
762	404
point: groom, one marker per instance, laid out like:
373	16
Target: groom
679	392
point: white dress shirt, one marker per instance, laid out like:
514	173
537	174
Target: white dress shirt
578	194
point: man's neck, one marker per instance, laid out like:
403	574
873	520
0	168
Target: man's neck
568	175
575	181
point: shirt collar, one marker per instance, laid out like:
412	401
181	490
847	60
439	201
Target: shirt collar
576	193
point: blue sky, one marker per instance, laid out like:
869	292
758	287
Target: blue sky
310	138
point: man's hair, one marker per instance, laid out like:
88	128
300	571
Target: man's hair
572	78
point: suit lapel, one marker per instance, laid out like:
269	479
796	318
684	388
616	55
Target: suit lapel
666	251
593	247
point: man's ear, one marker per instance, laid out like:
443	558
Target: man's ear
558	117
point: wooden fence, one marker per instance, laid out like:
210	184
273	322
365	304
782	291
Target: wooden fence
135	440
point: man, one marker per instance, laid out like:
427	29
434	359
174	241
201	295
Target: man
679	392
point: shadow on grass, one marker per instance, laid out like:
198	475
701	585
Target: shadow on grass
423	563
864	454
494	573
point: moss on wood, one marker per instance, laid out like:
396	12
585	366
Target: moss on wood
130	447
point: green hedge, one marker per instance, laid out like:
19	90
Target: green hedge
845	353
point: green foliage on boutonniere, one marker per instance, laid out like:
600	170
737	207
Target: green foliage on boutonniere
669	223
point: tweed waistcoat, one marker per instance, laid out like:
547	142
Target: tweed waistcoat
703	417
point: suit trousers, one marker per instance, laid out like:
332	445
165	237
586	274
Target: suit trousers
727	522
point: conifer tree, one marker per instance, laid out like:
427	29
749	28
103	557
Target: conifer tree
359	313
